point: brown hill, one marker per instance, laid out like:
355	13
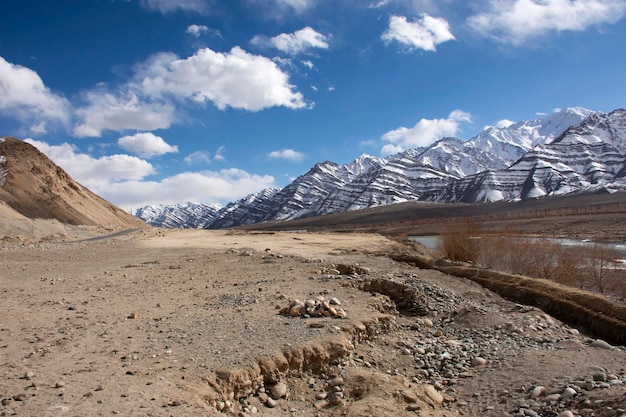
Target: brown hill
37	188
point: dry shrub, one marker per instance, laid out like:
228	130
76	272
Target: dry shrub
460	241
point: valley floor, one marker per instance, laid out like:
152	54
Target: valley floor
187	322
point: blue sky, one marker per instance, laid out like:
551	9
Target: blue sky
163	101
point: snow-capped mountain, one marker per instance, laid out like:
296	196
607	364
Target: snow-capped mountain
586	157
568	151
184	215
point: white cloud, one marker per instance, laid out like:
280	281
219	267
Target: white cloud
288	154
235	79
120	179
425	33
518	21
95	173
210	187
204	157
504	123
107	111
297	5
424	133
197	30
219	154
294	43
23	95
198	157
170	6
146	145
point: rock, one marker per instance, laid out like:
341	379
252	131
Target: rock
320	404
335	381
335	301
599	376
59	384
478	361
270	403
433	394
569	344
566	413
409	396
19	397
599	343
568	393
538	391
279	390
413	407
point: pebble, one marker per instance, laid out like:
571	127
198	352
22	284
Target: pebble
478	361
409	396
279	390
599	343
538	391
433	394
270	403
566	413
320	404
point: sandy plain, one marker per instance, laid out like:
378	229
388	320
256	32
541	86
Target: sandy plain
187	323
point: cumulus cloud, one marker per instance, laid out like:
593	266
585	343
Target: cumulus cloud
122	111
288	154
504	123
210	187
170	6
204	157
518	21
235	79
146	145
424	133
120	179
95	173
198	157
197	30
24	95
424	33
294	43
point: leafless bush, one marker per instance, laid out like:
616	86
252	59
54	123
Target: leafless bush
587	268
460	241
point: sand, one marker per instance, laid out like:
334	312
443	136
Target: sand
186	323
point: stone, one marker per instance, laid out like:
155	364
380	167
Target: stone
538	391
413	407
568	393
270	403
409	396
279	390
566	413
601	344
478	361
433	394
320	404
335	381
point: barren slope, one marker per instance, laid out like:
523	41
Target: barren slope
37	188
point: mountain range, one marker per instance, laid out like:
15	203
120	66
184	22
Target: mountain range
570	151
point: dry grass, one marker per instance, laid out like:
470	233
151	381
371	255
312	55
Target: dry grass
594	268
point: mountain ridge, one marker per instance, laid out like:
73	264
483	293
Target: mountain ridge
571	150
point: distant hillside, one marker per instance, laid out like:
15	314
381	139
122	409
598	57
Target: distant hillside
35	187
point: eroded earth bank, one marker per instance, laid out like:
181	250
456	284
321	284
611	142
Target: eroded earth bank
183	323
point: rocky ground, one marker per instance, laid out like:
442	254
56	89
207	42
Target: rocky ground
180	323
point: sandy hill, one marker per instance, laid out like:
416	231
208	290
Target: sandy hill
36	188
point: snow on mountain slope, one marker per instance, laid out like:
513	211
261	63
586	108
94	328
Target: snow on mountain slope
571	150
589	156
511	142
184	215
